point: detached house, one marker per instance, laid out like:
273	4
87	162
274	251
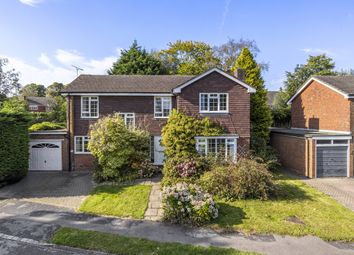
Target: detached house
319	142
147	100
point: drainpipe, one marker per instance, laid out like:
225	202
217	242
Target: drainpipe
69	130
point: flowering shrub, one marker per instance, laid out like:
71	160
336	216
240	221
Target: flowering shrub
146	169
188	204
187	169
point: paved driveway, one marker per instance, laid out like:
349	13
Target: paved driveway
341	189
62	189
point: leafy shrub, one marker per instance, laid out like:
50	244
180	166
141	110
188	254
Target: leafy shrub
117	148
178	135
46	126
242	180
264	153
188	204
186	168
146	169
13	146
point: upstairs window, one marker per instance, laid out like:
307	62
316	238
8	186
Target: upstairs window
33	107
89	107
162	107
81	143
129	119
213	102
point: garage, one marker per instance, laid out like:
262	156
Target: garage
332	158
45	155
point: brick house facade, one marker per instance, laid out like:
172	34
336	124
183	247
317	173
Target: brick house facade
319	142
137	96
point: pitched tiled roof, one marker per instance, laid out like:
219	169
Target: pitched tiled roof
40	100
126	83
342	83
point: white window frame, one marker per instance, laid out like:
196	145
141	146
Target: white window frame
33	107
91	99
163	99
208	107
205	144
84	138
126	115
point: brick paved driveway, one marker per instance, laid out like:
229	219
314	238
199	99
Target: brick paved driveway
341	189
62	189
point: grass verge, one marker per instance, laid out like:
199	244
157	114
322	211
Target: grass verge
117	244
122	201
298	210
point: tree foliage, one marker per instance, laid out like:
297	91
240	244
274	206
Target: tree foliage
9	84
137	60
188	57
261	117
54	89
117	148
228	52
33	90
14	105
315	65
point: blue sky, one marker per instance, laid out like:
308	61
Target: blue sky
43	38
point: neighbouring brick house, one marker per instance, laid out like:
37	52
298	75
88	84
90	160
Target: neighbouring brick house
38	104
319	142
146	101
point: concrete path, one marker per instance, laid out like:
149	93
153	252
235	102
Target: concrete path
25	218
154	211
341	189
64	189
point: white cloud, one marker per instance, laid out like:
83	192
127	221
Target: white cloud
224	14
31	2
58	67
316	51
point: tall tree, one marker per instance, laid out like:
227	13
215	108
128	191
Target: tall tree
261	117
55	89
188	57
228	52
315	65
9	84
33	90
136	60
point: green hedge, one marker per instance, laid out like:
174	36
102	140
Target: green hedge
13	146
46	126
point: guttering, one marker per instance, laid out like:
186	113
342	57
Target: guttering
116	94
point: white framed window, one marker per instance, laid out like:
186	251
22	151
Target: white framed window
162	107
129	119
89	107
33	107
213	102
223	146
81	143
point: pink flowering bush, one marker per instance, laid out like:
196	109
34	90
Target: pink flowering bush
188	204
187	168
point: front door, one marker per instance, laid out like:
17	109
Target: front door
158	151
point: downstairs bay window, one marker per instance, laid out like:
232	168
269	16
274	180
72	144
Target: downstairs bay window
221	146
80	145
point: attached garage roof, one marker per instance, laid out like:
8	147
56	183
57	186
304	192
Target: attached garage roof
343	85
308	132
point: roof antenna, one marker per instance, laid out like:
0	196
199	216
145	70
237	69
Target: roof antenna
77	69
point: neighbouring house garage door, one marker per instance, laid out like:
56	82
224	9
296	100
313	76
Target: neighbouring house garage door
332	161
45	155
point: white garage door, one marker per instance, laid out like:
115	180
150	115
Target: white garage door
45	155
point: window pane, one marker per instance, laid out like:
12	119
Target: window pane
166	106
213	102
223	102
231	151
94	112
211	145
340	141
85	144
221	147
204	102
129	122
85	104
158	106
78	144
323	141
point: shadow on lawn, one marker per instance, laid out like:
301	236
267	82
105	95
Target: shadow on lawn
230	215
285	190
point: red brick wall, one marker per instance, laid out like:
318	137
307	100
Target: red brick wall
319	107
237	121
291	151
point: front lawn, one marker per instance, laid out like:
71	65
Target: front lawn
299	210
118	244
122	201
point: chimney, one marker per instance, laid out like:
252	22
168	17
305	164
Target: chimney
240	74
